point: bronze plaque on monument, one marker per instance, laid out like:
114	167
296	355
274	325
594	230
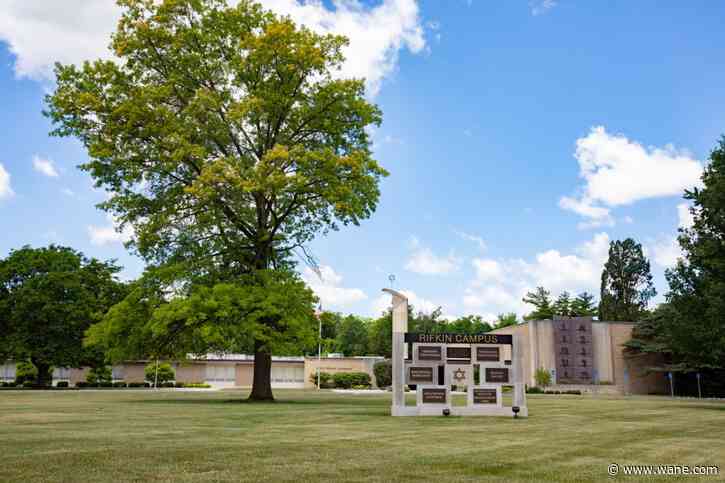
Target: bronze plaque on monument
434	395
484	396
459	354
420	374
488	354
429	353
497	374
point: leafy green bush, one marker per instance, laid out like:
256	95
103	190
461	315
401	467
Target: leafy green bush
574	392
62	384
28	384
98	375
25	371
347	380
325	380
165	373
534	390
8	384
119	384
383	371
542	377
82	384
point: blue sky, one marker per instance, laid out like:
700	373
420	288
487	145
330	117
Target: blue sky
521	138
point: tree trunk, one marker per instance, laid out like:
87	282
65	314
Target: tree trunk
262	382
45	376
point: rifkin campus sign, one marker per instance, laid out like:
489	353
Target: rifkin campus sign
458	338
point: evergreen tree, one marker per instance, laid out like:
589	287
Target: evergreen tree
626	282
563	304
541	300
583	305
506	320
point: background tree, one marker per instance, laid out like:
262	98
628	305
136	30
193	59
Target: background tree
583	305
380	334
695	325
331	323
563	305
541	300
224	138
226	316
158	374
469	324
626	282
352	337
48	298
506	320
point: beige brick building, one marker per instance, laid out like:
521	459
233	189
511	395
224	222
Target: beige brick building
583	353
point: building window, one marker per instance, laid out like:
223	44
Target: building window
220	373
61	374
584	363
7	372
565	350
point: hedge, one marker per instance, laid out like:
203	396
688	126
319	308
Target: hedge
383	371
346	380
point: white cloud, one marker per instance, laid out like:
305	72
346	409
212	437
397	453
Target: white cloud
666	250
109	234
45	167
684	216
472	238
420	304
618	171
327	286
539	7
68	192
499	285
425	262
41	33
6	191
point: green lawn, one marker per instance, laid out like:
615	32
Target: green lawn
126	435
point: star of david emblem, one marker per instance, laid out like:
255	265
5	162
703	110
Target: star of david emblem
459	375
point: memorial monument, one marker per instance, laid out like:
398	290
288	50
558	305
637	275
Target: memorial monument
433	363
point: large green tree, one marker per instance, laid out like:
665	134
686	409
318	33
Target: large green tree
352	336
563	304
627	286
48	298
224	137
694	326
541	300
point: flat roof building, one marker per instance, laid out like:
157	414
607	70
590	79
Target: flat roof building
587	354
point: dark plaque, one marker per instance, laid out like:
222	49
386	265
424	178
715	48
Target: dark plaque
489	354
429	353
497	374
460	354
574	350
459	338
420	374
484	396
434	396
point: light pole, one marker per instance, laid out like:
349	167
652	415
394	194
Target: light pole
319	343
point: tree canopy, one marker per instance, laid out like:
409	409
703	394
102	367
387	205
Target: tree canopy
689	329
541	300
48	298
224	137
627	286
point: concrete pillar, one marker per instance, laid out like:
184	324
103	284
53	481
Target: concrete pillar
400	327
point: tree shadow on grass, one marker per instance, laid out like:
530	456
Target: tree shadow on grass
713	406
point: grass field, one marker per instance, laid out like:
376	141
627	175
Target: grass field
119	436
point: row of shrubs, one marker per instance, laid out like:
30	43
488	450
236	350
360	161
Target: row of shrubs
106	384
538	390
342	380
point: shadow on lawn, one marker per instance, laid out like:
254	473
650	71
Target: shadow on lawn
275	403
